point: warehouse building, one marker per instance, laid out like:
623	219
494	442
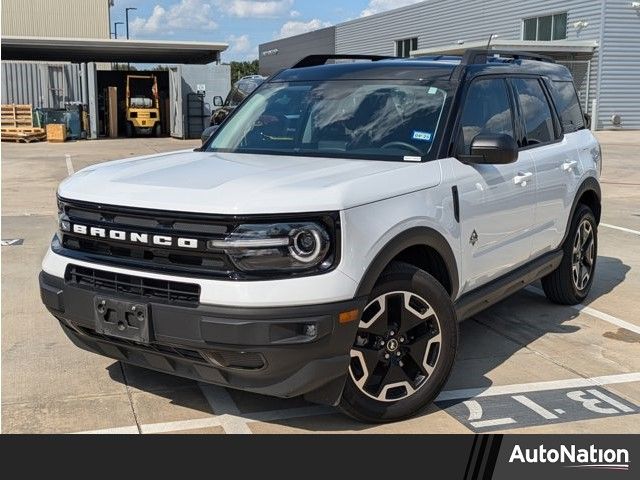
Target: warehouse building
58	18
599	41
58	56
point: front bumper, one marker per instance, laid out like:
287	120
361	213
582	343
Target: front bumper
279	351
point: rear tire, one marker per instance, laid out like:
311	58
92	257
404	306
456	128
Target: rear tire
404	349
570	283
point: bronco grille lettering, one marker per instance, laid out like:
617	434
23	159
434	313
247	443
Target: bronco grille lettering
135	237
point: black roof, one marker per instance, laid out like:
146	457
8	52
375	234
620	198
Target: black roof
443	67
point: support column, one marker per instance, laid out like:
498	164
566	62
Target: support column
92	99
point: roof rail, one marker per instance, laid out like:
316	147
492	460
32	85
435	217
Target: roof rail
315	60
480	56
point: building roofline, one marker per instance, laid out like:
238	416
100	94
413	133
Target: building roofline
555	46
109	50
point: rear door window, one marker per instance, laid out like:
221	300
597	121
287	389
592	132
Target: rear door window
535	111
568	106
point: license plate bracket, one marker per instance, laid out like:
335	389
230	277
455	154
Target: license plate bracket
122	319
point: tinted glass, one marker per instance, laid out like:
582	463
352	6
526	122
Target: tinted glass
536	112
560	26
529	30
544	28
348	119
486	110
566	100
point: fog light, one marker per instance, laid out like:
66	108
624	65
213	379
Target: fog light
310	330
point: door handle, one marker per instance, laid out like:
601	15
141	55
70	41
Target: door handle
521	178
567	166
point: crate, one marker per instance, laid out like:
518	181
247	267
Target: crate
23	135
56	132
16	116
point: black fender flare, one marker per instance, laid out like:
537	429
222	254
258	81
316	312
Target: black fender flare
590	184
416	236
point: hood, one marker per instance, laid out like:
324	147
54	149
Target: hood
228	183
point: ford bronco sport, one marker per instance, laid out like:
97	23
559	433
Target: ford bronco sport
326	240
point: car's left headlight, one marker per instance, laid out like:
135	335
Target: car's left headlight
297	246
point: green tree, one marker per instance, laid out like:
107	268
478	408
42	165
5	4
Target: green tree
242	69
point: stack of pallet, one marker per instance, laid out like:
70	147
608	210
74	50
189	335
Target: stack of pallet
17	124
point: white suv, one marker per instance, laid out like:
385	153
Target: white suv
329	236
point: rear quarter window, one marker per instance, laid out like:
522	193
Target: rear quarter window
568	106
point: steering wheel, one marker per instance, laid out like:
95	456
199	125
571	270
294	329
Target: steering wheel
403	145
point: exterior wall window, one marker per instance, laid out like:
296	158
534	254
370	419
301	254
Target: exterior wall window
404	47
548	27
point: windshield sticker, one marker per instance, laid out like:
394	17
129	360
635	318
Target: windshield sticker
408	158
432	91
422	136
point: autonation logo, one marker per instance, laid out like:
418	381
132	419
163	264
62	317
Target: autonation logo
573	457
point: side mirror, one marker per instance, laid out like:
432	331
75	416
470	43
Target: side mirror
206	134
587	121
492	149
218	101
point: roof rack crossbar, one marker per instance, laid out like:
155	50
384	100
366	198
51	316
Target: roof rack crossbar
315	60
475	56
480	56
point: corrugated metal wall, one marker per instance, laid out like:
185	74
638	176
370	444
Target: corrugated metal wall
620	71
56	18
217	82
443	22
41	84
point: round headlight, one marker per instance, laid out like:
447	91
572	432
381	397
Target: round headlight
306	245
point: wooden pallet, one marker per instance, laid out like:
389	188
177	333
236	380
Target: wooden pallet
15	116
23	134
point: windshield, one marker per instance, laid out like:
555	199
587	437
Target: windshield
355	119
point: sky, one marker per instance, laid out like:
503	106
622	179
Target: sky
243	24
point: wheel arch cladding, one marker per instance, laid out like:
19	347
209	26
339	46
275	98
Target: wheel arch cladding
591	199
423	247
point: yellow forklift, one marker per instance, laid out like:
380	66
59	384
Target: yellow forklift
143	106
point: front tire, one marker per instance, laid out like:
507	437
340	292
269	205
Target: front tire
404	349
570	283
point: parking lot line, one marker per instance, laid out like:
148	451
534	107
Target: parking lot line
580	382
67	158
181	425
618	322
223	405
112	431
219	421
622	229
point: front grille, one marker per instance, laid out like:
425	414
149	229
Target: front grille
195	260
198	261
239	360
150	289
